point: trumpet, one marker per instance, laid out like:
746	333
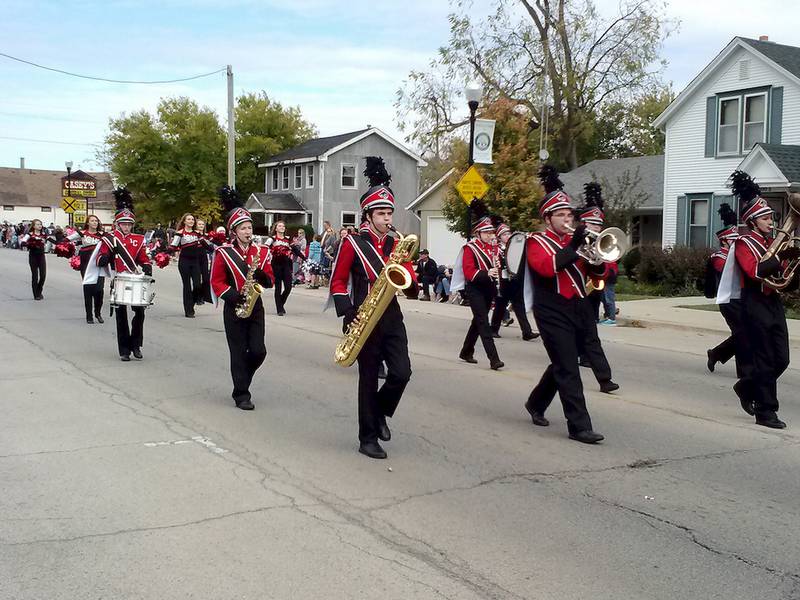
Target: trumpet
607	246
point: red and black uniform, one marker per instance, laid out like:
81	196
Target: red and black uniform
191	252
476	260
125	253
245	337
731	312
565	322
510	292
35	242
205	273
764	324
359	262
282	267
92	292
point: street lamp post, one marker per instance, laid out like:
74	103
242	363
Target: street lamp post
473	92
68	164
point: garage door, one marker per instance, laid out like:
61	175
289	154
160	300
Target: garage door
443	243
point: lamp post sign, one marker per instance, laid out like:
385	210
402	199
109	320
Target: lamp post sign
75	189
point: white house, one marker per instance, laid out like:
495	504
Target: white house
741	111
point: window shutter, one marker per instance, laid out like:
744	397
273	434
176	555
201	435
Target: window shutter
776	115
680	234
711	126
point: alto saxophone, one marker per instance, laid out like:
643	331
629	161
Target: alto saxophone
251	290
391	280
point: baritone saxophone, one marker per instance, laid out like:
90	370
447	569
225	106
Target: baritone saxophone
392	279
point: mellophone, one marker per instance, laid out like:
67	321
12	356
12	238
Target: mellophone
132	289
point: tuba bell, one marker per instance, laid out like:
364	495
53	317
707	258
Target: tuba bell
785	237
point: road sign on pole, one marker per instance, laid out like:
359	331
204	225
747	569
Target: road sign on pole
472	185
70	205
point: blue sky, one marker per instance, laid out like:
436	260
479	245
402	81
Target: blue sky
341	62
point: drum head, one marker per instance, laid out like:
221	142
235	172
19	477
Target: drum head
515	252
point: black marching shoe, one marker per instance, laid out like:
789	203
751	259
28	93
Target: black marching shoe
137	354
712	362
537	417
99	319
771	422
281	313
497	364
372	449
608	386
747	405
468	358
384	433
587	436
495	334
530	336
245	405
125	357
190	315
90	320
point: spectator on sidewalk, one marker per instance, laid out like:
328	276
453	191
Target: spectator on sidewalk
301	243
313	266
442	286
426	274
609	296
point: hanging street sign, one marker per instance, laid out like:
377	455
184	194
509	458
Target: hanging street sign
472	185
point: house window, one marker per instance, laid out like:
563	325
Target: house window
728	126
309	176
47	209
698	223
348	219
348	176
275	179
285	179
298	177
8	207
755	120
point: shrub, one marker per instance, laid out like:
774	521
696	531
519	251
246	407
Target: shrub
674	271
630	261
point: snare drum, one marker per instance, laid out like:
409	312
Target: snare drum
515	254
132	289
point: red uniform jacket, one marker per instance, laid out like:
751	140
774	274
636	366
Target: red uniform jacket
282	248
230	265
718	259
363	260
477	259
126	250
551	260
749	250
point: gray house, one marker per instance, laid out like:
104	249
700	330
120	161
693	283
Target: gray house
639	177
322	180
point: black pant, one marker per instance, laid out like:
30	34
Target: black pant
427	281
246	346
205	279
93	292
511	292
766	352
129	339
189	268
387	342
590	347
480	298
38	272
563	325
282	268
722	353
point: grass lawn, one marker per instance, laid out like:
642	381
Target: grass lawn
628	297
790	313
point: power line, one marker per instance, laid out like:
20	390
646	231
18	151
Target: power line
20	139
27	62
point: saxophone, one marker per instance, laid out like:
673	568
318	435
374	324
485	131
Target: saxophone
251	290
391	280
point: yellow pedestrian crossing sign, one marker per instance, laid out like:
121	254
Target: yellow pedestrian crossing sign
472	185
70	205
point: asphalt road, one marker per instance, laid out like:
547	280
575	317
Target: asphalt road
141	479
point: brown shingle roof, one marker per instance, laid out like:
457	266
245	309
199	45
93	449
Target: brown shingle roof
37	187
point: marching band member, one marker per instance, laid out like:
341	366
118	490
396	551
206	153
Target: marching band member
187	242
229	270
35	240
558	276
88	239
282	255
591	350
125	252
763	318
510	292
359	263
476	272
731	311
205	274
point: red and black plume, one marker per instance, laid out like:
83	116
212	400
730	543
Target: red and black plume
743	186
123	199
593	195
727	215
376	172
548	175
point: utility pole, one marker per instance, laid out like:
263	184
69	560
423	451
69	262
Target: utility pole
231	133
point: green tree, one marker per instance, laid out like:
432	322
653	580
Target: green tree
560	58
264	128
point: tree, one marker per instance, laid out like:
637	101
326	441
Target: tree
560	58
514	190
622	196
264	128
